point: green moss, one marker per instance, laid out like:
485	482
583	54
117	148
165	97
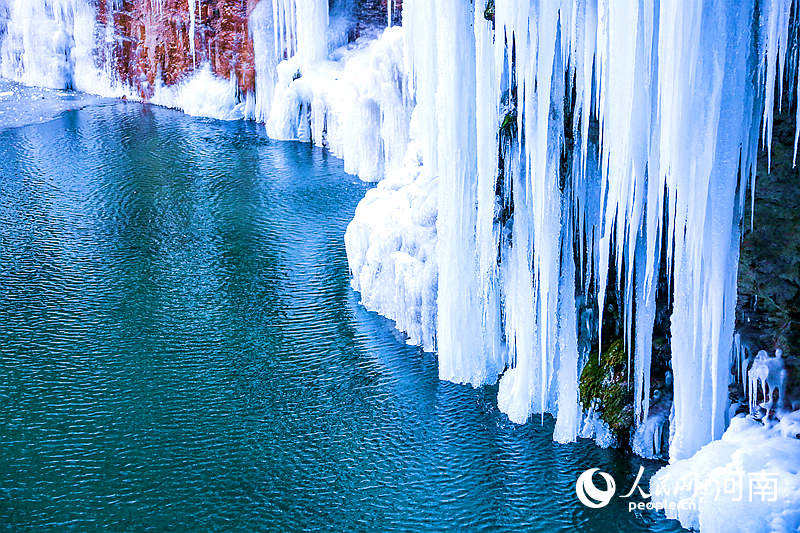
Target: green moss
508	127
606	380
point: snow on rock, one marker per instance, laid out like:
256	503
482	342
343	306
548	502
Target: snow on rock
748	481
789	425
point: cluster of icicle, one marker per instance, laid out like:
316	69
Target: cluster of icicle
678	90
769	377
53	43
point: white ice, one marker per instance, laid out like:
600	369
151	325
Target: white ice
748	481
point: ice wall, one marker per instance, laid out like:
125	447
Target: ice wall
52	43
678	92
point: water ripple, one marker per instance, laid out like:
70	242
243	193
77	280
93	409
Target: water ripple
181	350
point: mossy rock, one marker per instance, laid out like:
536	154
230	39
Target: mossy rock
488	12
508	127
606	380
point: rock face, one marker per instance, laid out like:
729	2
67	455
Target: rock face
151	39
768	310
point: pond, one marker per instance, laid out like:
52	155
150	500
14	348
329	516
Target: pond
180	348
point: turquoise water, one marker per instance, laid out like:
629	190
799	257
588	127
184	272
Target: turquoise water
180	349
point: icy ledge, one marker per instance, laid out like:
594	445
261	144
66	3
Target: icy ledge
748	481
391	247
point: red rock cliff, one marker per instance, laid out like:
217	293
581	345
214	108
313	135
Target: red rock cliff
152	38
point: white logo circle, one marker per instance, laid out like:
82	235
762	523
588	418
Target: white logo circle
589	494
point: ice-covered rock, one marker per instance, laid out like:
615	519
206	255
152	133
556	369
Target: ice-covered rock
594	427
768	379
650	438
355	104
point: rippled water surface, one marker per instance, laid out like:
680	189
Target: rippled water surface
180	349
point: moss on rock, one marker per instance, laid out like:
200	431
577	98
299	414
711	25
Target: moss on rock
606	380
508	127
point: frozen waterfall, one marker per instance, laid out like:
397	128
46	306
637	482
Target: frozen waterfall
535	154
678	92
53	43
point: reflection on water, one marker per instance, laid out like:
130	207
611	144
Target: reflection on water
181	349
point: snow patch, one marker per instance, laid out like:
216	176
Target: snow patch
747	481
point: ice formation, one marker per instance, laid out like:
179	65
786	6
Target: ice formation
391	249
769	377
51	43
534	154
649	436
677	89
204	95
192	4
355	104
748	481
593	427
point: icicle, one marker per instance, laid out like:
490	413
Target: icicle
301	28
776	13
459	337
262	30
568	371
